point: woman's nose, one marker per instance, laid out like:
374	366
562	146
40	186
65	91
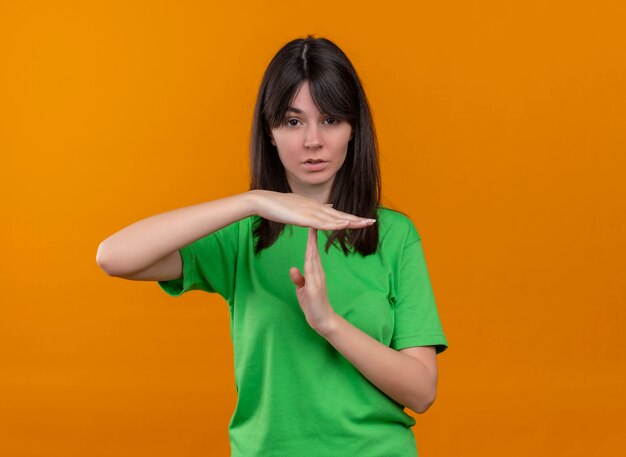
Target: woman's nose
311	137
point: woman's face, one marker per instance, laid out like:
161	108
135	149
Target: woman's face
308	135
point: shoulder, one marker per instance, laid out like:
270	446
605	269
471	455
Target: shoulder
397	225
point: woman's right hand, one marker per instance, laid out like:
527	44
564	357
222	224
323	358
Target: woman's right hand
294	209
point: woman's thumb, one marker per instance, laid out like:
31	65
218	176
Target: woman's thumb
296	277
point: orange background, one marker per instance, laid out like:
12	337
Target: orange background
502	134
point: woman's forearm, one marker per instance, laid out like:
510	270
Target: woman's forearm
143	243
402	377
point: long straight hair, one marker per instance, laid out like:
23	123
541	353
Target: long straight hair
336	90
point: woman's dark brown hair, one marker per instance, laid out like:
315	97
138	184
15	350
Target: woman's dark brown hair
336	90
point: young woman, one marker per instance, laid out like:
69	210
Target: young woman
329	346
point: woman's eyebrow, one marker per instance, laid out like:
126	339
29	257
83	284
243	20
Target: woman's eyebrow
293	109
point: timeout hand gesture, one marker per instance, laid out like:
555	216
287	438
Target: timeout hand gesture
311	288
294	209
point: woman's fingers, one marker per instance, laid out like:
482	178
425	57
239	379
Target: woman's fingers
308	257
316	261
328	224
341	224
312	260
296	277
290	208
343	215
349	221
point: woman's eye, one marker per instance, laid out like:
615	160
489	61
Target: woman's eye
294	122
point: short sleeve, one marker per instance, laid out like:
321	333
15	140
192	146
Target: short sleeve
208	264
417	321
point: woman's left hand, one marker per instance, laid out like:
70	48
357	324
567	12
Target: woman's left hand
311	288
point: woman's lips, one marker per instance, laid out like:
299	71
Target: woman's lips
314	166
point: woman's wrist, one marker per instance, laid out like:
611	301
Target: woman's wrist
253	201
328	328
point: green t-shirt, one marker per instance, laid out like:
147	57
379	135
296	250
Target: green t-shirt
297	395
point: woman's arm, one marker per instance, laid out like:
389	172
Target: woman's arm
141	244
409	378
